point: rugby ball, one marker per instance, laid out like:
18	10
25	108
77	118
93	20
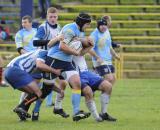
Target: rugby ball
77	45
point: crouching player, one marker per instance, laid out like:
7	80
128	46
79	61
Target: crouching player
21	73
90	82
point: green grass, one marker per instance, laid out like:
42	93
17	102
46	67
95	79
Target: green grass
134	102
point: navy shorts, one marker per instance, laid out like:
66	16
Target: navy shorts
57	64
105	69
17	78
90	79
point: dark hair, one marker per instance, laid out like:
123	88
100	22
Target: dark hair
101	22
27	17
82	19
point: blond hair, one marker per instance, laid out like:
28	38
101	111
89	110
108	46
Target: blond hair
108	19
52	10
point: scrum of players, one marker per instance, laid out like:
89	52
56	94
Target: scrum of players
59	53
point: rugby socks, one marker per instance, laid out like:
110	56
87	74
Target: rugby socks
92	108
28	101
104	102
49	99
46	90
1	70
58	101
76	98
37	106
22	97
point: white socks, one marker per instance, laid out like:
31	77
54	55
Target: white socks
22	97
92	108
104	98
58	102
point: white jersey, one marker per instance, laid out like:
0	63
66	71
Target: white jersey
27	61
80	63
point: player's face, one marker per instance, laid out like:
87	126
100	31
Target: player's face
52	18
87	25
26	24
103	28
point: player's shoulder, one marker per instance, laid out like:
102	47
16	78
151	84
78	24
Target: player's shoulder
20	32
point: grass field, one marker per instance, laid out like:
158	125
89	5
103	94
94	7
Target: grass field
136	104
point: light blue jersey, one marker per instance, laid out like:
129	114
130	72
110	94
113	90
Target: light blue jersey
24	38
70	31
102	46
27	61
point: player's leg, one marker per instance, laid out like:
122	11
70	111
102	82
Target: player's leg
49	100
90	103
22	96
110	75
46	90
89	83
58	109
106	89
74	81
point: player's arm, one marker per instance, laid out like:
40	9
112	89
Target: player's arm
87	45
19	43
114	54
64	45
40	64
39	38
115	45
55	40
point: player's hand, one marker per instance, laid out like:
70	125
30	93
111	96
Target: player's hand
90	41
57	72
99	60
118	57
60	37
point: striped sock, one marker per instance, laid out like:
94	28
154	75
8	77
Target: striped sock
76	98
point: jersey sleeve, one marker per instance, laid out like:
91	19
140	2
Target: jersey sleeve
68	36
40	33
42	55
19	39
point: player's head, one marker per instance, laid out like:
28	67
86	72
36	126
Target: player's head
83	20
52	15
108	19
27	22
102	25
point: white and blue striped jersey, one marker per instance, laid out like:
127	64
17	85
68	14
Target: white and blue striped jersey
47	32
102	46
70	31
24	38
27	61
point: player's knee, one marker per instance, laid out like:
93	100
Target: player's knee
106	86
111	79
38	93
88	94
63	84
75	83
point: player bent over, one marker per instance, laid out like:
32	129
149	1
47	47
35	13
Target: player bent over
20	74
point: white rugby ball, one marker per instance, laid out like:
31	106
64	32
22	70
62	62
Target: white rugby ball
77	45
